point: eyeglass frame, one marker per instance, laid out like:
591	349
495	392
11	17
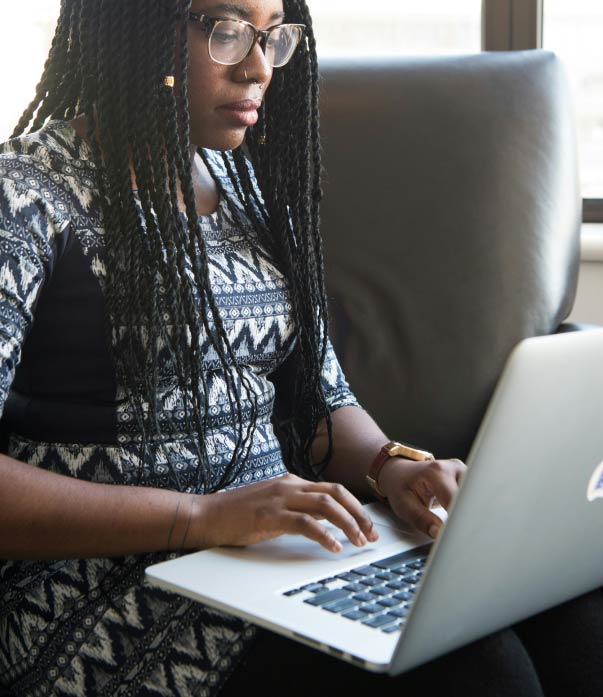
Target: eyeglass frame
260	35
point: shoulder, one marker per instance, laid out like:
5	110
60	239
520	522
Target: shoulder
53	155
50	168
56	141
36	200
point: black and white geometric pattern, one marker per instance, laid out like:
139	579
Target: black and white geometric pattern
91	626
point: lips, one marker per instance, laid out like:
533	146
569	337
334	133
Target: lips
243	105
243	113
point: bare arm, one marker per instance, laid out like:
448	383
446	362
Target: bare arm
44	515
356	441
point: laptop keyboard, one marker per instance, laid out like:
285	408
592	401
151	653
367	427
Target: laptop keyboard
378	595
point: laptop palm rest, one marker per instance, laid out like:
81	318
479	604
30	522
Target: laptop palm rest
264	571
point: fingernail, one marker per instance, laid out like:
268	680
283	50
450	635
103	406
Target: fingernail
337	546
361	539
372	534
434	530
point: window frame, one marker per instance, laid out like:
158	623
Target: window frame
517	25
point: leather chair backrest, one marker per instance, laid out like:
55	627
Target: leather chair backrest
451	222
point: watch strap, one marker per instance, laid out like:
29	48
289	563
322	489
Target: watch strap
375	470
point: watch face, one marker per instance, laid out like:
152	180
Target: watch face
392	446
408	451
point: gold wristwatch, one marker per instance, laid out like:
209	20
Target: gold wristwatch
393	449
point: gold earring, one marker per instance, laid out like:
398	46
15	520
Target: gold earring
168	80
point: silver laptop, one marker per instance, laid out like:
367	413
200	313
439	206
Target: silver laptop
522	535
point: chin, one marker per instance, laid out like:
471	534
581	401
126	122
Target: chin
226	140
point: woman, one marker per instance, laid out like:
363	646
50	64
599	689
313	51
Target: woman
177	389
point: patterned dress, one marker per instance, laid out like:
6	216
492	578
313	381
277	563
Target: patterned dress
92	626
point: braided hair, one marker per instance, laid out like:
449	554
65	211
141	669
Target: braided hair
108	60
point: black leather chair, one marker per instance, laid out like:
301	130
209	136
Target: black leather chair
451	221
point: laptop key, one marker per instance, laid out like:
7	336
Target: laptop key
370	581
354	587
410	579
364	597
403	557
381	590
293	591
403	595
396	560
371	609
354	615
399	612
405	571
313	587
392	628
398	585
349	576
328	597
400	571
380	620
387	576
340	605
388	602
366	570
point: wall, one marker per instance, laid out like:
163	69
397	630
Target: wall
589	300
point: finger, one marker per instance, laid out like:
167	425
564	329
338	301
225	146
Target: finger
321	503
419	516
346	499
460	469
297	523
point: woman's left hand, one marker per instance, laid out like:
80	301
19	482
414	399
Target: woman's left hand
411	486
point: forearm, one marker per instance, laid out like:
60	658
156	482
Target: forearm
356	441
44	515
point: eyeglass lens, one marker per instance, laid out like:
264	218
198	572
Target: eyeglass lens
230	42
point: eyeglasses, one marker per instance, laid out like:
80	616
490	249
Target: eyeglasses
230	41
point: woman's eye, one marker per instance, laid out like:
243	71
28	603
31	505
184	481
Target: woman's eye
224	37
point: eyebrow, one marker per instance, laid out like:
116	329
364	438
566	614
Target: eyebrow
231	8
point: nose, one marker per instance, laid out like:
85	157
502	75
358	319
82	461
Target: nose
256	66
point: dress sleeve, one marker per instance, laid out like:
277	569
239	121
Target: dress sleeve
335	386
27	234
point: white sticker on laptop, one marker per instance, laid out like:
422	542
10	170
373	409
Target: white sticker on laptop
595	486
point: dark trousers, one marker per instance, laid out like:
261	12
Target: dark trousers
558	653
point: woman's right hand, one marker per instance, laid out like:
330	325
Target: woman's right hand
267	509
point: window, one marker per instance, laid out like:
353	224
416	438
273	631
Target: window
355	27
573	30
22	62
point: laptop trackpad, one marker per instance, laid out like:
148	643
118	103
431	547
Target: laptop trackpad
297	548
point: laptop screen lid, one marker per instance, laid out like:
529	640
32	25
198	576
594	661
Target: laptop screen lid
524	533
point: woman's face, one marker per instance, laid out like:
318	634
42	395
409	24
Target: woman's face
218	120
